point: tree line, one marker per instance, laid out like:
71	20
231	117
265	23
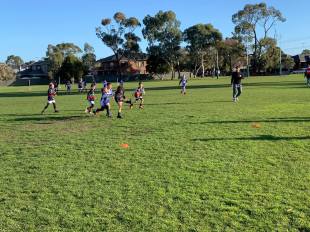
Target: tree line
199	49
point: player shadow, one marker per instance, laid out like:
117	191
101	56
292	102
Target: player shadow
269	120
255	138
40	119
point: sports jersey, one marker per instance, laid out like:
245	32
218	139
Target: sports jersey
106	96
91	95
119	94
51	93
139	92
183	82
307	73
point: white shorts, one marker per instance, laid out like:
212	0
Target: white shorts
91	102
51	102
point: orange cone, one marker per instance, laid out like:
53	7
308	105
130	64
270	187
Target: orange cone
125	145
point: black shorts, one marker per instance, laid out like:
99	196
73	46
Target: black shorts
118	99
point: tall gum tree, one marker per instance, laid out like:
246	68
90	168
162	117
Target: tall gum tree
255	20
162	31
118	35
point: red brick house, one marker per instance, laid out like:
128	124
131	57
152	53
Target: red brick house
128	67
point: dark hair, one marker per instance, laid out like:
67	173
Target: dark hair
119	88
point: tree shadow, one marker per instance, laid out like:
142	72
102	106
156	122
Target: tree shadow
270	120
184	103
41	119
38	94
255	138
174	87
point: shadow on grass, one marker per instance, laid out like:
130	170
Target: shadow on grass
45	119
276	120
37	94
280	83
256	138
184	103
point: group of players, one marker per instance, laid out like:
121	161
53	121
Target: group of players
119	95
107	94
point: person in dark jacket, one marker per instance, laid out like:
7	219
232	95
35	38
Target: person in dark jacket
236	79
307	75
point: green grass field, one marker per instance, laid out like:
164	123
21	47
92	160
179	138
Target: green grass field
194	162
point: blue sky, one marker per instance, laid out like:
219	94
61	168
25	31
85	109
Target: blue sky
27	27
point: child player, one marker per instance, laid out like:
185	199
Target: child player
139	95
107	93
68	86
183	83
91	98
120	97
51	93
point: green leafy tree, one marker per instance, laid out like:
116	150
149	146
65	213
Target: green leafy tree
253	20
14	62
270	59
157	66
57	54
119	36
89	57
288	62
72	67
201	38
305	52
232	52
6	72
164	37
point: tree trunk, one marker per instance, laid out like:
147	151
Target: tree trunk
203	67
179	71
255	52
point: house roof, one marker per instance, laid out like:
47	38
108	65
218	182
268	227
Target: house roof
31	72
40	62
302	58
139	56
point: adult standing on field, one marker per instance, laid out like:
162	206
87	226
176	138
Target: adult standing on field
236	78
307	75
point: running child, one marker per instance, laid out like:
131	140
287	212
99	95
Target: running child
120	97
107	93
91	98
51	93
80	85
68	86
139	95
183	83
104	83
